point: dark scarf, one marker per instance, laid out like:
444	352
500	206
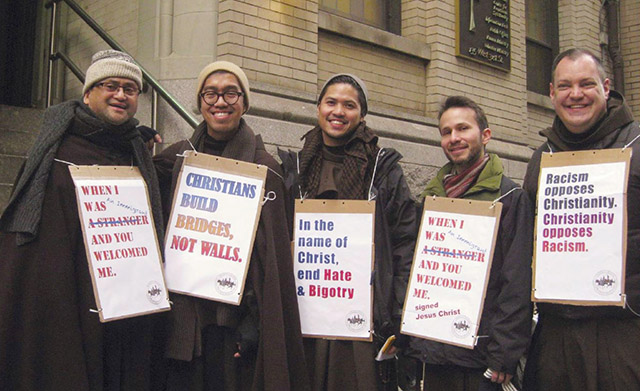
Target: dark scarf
242	145
456	184
618	115
212	146
359	160
24	211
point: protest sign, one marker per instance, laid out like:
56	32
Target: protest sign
450	270
215	213
581	228
333	260
120	240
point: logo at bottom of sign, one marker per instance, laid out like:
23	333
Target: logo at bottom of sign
605	282
355	320
226	283
154	292
461	326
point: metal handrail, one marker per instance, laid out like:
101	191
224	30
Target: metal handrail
55	55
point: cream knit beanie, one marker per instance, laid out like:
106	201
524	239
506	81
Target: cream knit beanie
227	67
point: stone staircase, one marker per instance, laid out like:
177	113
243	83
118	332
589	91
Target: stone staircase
19	127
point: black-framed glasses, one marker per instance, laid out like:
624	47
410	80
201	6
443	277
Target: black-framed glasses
230	97
114	87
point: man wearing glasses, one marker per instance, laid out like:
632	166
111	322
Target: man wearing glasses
257	345
49	338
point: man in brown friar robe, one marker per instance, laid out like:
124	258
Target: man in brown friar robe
258	344
49	338
341	159
589	348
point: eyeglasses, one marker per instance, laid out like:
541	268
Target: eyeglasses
230	97
114	87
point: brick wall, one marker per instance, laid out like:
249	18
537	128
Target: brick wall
578	23
500	93
630	40
273	41
277	42
394	81
539	118
414	17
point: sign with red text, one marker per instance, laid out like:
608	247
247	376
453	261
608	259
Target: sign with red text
215	213
333	260
120	241
450	270
581	239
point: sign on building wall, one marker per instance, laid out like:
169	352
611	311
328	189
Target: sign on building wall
483	32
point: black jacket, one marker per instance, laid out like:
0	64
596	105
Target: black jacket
395	227
505	324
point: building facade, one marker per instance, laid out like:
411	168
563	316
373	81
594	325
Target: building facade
410	53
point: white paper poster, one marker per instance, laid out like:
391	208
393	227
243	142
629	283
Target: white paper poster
333	261
212	228
450	271
121	243
580	232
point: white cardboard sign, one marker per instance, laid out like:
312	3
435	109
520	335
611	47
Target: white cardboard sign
120	240
450	271
333	261
580	247
212	227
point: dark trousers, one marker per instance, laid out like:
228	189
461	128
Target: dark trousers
584	355
455	378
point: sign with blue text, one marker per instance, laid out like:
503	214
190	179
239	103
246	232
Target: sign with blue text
450	270
581	227
209	239
333	250
120	241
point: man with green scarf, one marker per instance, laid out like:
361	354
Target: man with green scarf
49	337
505	323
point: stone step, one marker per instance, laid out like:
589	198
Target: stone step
5	193
16	143
20	119
19	127
9	166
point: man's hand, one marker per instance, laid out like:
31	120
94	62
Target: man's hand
149	136
500	377
156	139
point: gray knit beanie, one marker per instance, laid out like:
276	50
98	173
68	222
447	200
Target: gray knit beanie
111	63
357	81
